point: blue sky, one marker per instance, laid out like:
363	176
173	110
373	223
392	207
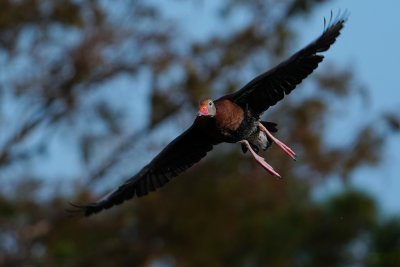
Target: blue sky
370	43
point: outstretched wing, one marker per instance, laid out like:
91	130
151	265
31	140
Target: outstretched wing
270	87
179	155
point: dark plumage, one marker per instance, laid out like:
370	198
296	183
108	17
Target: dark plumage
234	118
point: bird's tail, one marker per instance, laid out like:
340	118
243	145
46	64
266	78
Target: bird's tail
271	126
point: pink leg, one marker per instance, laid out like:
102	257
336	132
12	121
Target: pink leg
260	160
284	147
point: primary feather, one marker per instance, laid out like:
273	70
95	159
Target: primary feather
270	87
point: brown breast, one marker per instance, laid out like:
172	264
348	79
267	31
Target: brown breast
229	115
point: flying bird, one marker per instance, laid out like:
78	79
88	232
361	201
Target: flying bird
233	118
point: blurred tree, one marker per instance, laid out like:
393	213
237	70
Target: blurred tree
64	67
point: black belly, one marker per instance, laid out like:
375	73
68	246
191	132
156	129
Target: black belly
247	128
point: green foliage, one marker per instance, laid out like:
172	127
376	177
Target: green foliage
386	244
63	60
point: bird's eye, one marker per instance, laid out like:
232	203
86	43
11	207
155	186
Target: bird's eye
210	104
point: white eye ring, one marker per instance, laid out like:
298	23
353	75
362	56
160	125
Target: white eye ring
210	103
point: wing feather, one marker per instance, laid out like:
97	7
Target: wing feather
270	87
178	156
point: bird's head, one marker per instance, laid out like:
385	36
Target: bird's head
207	108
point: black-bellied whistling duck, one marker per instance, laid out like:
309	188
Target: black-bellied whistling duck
234	118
